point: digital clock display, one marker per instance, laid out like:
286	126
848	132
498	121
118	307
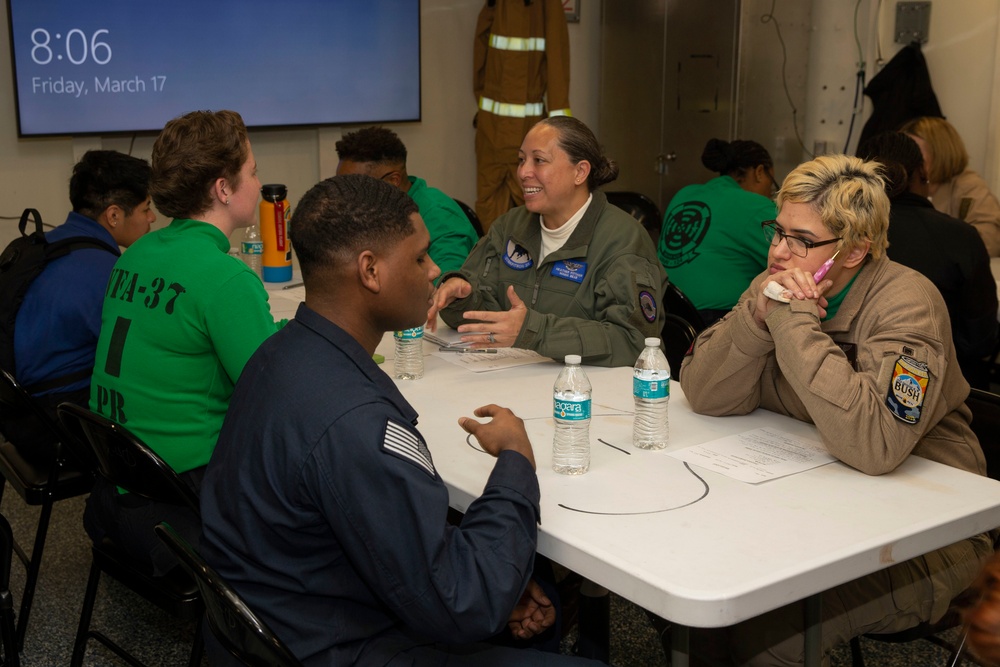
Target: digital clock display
131	65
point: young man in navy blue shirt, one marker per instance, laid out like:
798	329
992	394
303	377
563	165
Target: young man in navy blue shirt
322	505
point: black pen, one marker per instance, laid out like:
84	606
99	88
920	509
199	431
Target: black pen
468	350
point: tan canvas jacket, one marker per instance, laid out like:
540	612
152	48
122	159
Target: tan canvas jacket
840	374
968	197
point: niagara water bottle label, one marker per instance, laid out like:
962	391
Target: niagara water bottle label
650	389
251	248
415	333
571	410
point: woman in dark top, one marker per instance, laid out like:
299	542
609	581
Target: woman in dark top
946	250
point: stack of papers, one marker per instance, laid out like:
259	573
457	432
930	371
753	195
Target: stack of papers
445	336
503	357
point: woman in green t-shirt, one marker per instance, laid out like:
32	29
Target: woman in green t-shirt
711	243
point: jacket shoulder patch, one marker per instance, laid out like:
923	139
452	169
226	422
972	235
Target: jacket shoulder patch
403	443
907	389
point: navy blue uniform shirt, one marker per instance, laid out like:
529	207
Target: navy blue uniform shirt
322	507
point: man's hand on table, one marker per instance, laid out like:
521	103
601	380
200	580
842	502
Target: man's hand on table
505	431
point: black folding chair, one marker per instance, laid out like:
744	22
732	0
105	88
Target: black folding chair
678	336
470	213
126	461
677	303
44	463
233	623
8	635
985	408
640	207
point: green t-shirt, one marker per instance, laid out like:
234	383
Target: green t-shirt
180	319
833	302
711	243
452	235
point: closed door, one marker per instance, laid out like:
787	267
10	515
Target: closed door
668	85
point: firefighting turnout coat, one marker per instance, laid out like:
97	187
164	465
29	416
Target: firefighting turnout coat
520	70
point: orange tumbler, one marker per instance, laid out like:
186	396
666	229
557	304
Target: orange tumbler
274	216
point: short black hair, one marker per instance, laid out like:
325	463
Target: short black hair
372	144
343	215
735	158
103	178
900	156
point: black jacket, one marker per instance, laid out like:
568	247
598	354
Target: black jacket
953	257
901	91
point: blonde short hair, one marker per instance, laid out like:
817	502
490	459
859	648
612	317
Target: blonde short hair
947	150
849	195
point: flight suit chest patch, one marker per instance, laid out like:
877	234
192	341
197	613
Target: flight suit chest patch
517	256
570	269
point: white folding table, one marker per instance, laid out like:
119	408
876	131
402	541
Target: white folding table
696	547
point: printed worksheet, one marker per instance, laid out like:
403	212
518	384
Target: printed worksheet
757	456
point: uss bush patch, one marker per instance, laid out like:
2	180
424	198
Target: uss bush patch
907	389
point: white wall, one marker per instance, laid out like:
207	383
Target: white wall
962	55
765	109
962	58
822	42
35	172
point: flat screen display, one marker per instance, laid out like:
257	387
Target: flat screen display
105	66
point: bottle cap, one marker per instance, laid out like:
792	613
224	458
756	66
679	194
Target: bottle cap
273	192
652	342
572	359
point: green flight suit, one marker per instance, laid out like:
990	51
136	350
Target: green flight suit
598	296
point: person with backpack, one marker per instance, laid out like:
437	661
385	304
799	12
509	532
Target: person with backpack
58	323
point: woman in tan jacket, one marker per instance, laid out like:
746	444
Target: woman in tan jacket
865	353
954	188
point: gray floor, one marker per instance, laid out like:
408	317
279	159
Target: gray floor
159	640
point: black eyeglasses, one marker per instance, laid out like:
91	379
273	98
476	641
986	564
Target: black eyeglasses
796	244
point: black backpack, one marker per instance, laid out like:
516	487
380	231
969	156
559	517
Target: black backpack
20	263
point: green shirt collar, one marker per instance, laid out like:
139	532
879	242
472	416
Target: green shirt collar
186	226
833	303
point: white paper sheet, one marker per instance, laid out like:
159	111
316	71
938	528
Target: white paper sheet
505	357
757	456
284	302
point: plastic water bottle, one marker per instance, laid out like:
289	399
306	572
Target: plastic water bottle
409	362
571	410
252	248
651	390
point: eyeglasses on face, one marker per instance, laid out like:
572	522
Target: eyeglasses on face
796	244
